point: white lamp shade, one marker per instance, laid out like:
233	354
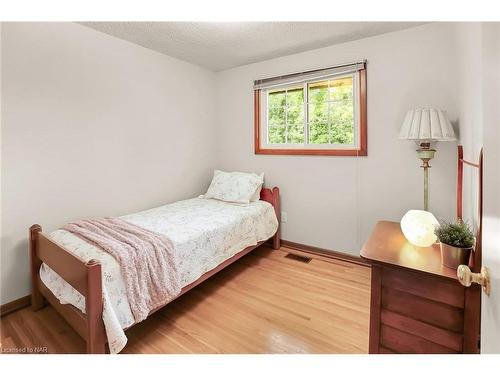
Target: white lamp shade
418	227
427	124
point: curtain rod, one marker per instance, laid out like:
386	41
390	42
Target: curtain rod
298	74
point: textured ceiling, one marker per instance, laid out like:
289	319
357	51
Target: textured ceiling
222	45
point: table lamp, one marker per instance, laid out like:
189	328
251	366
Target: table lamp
418	227
426	126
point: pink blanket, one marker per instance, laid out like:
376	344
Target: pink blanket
145	258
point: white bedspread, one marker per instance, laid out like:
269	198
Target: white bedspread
204	232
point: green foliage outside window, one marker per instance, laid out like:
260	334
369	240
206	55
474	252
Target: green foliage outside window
330	110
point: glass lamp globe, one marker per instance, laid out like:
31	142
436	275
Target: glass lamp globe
418	227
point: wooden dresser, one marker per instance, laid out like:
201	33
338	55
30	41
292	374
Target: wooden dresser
417	305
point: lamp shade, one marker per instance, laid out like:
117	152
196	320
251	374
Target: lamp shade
418	227
427	124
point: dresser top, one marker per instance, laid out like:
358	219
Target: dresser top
388	245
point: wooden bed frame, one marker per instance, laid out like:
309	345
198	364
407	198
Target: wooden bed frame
86	278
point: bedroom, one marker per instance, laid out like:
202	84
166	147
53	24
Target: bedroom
133	121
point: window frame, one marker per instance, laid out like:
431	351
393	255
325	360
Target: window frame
260	130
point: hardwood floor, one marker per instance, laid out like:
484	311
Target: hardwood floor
264	303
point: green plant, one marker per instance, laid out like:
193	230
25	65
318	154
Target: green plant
457	234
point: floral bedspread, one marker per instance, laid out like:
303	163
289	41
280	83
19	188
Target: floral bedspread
204	232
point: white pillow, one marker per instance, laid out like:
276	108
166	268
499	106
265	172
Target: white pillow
237	187
256	195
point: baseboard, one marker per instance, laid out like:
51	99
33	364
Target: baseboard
324	252
15	305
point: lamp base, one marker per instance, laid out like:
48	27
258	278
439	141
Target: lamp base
425	153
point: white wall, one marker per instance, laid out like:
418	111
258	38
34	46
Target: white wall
334	202
490	42
93	125
73	97
469	65
1	107
479	98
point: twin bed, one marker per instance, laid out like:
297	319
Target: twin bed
85	284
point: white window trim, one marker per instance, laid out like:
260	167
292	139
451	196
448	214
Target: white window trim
263	136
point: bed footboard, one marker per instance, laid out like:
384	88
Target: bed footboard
83	276
37	300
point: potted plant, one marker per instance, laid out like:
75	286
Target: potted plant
456	241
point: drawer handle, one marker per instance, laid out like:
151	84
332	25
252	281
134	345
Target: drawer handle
467	277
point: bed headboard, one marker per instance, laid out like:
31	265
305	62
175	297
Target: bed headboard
273	196
476	259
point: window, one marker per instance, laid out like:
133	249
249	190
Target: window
312	113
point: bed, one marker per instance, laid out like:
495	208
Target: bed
83	283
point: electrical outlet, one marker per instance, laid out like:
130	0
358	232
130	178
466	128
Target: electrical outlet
284	217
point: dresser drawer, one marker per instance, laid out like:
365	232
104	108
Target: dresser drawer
420	315
403	342
425	310
444	339
432	288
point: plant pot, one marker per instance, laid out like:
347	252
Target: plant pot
452	256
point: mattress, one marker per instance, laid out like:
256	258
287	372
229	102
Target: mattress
204	232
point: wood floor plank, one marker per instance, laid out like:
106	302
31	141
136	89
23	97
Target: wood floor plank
263	303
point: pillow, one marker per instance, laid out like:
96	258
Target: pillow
236	187
256	195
